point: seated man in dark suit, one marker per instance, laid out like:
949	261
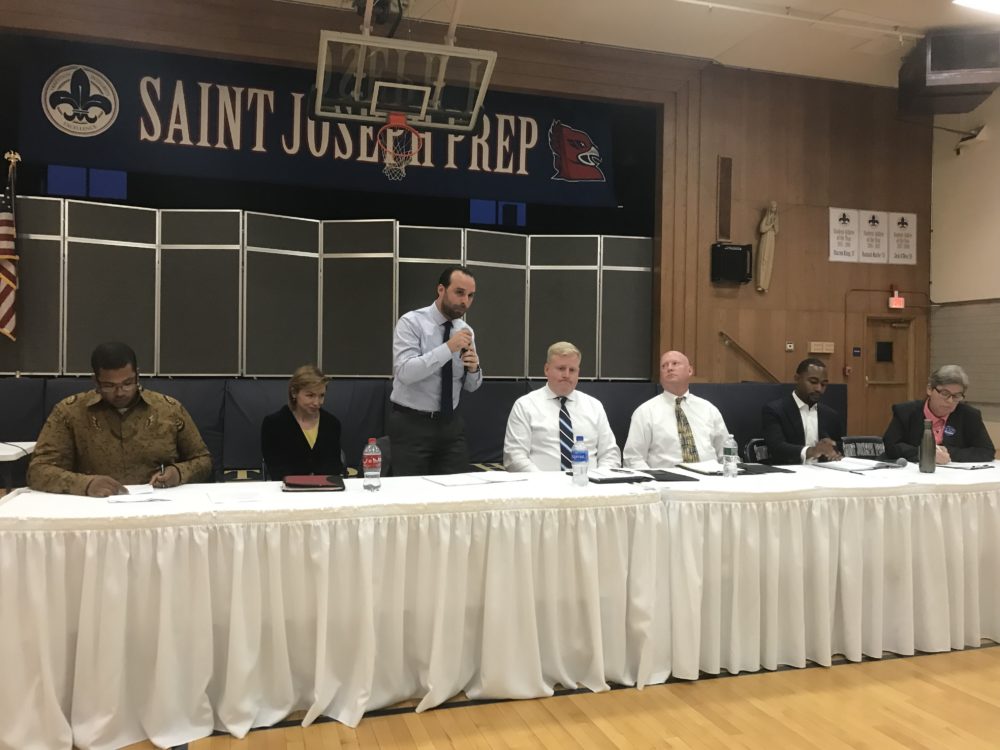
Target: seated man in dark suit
798	428
958	428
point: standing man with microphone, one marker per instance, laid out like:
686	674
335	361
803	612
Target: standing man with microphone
433	360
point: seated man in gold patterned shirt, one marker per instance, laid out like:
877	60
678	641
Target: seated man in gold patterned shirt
95	443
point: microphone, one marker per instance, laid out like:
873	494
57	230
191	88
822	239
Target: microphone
468	367
897	464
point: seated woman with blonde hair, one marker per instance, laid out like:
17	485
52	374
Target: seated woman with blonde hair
302	438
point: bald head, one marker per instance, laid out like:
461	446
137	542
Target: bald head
675	372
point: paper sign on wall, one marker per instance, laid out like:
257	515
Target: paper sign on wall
903	238
844	235
873	246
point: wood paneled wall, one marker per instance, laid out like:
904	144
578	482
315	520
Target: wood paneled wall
804	143
808	144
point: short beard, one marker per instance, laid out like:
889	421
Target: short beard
450	311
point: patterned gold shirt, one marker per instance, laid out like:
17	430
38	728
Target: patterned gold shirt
84	436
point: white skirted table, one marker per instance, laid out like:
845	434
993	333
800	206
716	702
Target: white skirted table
9	453
781	569
230	606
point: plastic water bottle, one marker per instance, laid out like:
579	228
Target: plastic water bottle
580	458
730	458
371	462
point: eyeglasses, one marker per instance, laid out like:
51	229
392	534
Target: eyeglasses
949	396
125	385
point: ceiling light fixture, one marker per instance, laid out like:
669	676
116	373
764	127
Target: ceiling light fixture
989	6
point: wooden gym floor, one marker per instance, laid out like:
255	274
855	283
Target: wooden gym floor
927	702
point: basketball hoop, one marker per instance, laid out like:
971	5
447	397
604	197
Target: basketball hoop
399	144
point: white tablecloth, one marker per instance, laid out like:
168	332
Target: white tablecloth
10	452
15	451
231	606
779	569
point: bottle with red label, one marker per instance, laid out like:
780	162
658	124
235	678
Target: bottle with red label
371	463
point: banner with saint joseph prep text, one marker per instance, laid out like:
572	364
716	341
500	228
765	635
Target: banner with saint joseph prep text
159	113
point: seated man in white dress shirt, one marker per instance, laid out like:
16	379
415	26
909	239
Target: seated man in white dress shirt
543	424
676	426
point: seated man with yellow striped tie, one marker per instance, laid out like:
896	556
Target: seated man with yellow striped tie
676	426
543	424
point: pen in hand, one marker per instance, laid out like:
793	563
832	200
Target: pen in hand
159	478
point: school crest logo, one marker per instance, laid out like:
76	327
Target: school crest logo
575	156
80	101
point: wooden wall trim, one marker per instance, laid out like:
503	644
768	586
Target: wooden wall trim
967	302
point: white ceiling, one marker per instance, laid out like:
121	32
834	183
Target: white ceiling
850	40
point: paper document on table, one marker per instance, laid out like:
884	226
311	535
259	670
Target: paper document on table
855	465
494	477
703	467
459	480
966	466
138	493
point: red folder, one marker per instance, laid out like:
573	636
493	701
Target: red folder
313	483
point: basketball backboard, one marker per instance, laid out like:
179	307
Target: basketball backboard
365	78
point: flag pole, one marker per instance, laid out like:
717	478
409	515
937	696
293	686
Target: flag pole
13	158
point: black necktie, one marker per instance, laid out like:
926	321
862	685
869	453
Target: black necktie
446	378
565	435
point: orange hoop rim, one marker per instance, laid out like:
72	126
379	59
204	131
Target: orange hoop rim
397	121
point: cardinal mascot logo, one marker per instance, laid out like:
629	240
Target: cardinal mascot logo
575	156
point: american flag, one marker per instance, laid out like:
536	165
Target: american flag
8	260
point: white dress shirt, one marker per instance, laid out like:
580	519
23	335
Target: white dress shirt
810	426
418	354
652	436
532	440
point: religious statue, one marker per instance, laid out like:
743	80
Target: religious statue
765	250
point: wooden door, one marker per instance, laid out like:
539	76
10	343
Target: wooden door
889	368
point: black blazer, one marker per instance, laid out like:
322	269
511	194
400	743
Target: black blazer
286	450
784	434
968	439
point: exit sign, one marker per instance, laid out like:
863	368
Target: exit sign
896	302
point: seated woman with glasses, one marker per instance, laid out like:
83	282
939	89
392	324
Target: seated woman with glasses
302	437
958	428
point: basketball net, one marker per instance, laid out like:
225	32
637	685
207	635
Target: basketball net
399	144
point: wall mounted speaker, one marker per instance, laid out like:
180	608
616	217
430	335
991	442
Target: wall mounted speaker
731	264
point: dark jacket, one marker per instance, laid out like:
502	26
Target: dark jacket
965	435
286	450
784	434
